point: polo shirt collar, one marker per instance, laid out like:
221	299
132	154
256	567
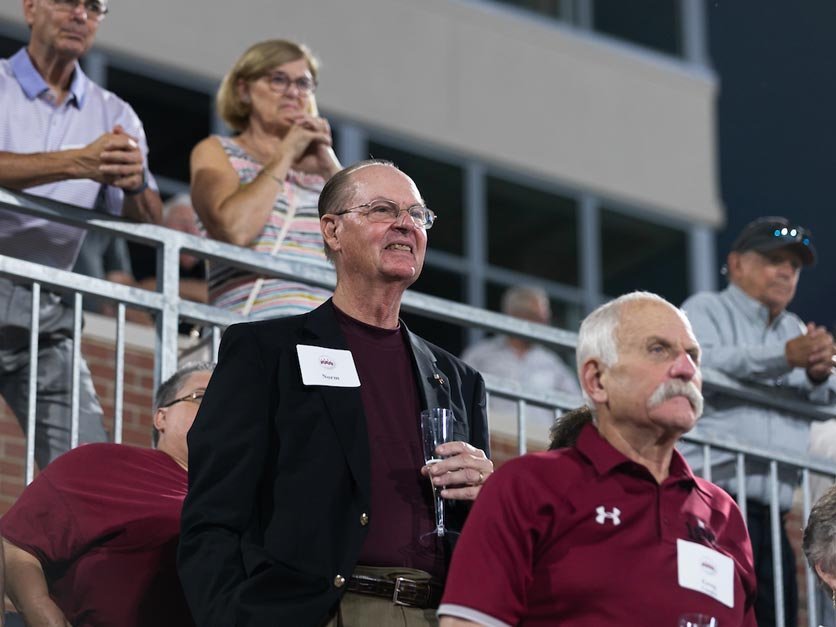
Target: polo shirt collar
33	84
753	309
605	458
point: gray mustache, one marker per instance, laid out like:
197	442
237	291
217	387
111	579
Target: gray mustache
674	388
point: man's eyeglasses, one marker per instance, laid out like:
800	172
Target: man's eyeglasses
280	82
194	397
389	211
95	9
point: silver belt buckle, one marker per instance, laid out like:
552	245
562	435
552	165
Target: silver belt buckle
396	593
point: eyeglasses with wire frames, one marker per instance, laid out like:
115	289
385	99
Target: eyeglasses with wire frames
389	211
280	82
94	9
194	397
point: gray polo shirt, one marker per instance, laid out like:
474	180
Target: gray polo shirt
738	340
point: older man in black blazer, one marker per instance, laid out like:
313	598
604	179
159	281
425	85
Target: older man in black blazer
308	495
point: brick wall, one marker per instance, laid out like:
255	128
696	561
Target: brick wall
137	425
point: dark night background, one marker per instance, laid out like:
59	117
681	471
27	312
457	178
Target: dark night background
775	111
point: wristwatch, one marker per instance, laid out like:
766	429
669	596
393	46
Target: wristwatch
138	190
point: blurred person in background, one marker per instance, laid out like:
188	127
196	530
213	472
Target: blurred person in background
748	335
260	188
65	138
178	215
523	361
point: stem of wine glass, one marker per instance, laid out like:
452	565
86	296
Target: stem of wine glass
439	512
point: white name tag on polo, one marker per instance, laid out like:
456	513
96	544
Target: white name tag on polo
327	366
705	570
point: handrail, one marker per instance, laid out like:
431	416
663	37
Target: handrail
320	274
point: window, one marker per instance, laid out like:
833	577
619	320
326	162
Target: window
8	46
532	231
546	7
641	255
655	24
175	118
444	285
441	186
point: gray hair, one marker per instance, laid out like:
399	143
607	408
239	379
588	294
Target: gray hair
171	387
820	534
597	335
516	299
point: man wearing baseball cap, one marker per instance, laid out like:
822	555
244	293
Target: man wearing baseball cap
747	334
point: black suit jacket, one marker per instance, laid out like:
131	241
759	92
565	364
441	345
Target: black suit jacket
279	473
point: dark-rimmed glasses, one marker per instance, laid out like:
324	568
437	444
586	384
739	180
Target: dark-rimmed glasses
194	397
280	82
389	211
95	9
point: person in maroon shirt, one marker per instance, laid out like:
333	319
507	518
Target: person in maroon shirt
610	527
308	493
92	540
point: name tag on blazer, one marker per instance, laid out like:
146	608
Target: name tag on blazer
327	366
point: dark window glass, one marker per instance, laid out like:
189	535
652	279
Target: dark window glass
532	231
441	185
640	255
651	23
175	119
544	7
335	133
8	46
444	285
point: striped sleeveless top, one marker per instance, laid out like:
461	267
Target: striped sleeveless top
229	288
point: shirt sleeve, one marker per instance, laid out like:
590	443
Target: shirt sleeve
41	523
722	352
492	565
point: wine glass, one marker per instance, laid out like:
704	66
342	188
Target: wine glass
436	428
697	620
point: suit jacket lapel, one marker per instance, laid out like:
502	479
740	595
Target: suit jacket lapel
434	385
344	405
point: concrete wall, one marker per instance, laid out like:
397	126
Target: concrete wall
470	77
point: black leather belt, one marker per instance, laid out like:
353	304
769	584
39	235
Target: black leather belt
400	590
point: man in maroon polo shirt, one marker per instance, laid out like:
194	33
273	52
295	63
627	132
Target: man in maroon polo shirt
613	527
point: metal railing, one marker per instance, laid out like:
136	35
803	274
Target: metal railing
169	310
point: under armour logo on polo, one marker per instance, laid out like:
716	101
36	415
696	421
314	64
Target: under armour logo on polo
603	515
